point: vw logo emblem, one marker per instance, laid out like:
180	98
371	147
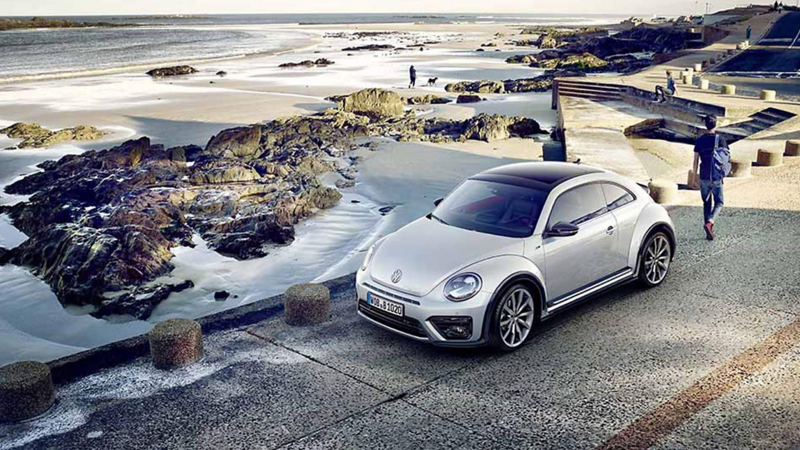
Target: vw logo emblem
396	276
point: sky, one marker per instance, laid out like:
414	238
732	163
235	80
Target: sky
112	7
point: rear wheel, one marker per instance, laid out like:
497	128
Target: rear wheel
513	318
655	260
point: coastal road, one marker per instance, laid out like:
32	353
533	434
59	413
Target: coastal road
778	52
708	360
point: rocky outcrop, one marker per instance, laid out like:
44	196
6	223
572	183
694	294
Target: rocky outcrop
171	71
534	57
428	99
479	87
41	22
102	224
370	48
36	136
468	98
490	128
584	62
635	40
375	102
321	62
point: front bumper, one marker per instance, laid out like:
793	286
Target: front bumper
416	323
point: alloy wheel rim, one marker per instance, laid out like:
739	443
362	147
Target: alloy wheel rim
656	261
516	317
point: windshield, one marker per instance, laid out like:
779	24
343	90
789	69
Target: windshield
494	208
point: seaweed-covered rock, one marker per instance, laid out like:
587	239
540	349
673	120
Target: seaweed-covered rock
321	62
173	71
479	87
469	98
36	136
428	99
584	62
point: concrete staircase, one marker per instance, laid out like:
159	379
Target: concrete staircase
586	89
762	120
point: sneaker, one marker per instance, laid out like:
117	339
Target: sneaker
709	229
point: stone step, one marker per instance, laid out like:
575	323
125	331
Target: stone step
564	89
773	115
590	87
766	122
597	98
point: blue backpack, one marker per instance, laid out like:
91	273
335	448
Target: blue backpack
721	158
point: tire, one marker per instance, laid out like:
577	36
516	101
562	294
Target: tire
503	335
655	260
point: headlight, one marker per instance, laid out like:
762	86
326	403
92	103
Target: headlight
462	287
368	258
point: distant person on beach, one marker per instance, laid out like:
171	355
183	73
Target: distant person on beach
662	93
749	32
713	156
412	72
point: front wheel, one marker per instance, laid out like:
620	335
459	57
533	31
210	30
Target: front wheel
655	260
512	319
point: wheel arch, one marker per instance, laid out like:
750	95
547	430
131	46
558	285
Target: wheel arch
521	277
655	228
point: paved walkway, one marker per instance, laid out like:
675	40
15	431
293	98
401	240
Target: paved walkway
708	360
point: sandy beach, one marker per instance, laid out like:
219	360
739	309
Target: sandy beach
189	110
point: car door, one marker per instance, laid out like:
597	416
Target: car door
574	262
622	204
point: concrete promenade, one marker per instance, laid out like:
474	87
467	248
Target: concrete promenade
708	360
594	128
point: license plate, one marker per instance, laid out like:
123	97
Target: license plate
385	305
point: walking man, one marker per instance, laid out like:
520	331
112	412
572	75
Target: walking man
412	72
749	32
713	156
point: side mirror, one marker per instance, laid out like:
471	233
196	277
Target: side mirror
437	201
562	229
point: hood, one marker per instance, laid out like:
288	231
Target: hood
428	252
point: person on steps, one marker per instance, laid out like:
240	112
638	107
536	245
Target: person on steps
662	93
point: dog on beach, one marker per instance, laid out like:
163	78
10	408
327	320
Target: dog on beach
432	81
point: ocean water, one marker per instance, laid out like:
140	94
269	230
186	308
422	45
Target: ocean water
159	39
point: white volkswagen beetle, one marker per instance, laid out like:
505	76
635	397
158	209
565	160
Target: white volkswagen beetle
510	247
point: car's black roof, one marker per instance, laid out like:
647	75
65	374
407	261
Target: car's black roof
538	175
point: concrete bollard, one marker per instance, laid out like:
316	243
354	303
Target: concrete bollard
704	85
792	148
698	67
307	304
767	95
770	158
176	343
663	191
740	168
692	180
26	391
686	79
728	89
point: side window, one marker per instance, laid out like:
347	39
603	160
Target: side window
616	196
578	205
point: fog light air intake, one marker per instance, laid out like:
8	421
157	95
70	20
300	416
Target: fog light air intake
453	328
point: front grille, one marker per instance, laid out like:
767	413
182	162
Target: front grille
405	324
390	295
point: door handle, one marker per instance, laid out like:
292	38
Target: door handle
610	230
